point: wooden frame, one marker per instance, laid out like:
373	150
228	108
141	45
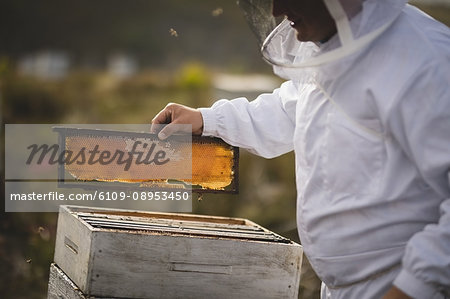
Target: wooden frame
174	255
63	182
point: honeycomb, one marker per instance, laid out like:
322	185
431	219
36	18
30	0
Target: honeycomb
206	162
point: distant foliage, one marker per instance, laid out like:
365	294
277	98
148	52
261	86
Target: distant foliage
194	76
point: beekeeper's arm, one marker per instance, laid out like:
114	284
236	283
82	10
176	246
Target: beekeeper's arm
264	126
420	123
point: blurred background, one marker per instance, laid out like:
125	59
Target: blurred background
121	62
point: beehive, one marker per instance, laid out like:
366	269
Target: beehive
132	254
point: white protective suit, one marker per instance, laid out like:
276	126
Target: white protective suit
371	137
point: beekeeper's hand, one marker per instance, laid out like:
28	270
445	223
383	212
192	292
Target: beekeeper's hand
176	114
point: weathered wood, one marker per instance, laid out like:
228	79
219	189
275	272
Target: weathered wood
60	286
73	248
118	262
182	228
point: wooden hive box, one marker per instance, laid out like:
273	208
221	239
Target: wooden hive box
132	254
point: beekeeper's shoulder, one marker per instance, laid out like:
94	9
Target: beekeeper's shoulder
422	39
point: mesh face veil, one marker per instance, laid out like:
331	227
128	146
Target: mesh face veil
258	14
358	23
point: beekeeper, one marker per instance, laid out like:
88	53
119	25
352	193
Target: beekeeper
366	109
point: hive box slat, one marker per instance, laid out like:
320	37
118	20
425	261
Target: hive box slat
142	264
61	286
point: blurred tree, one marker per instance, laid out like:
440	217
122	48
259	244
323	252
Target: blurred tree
90	30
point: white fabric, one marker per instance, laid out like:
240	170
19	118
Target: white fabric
372	151
374	18
342	21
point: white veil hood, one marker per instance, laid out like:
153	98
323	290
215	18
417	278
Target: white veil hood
358	23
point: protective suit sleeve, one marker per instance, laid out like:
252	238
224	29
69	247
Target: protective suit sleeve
420	123
264	126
